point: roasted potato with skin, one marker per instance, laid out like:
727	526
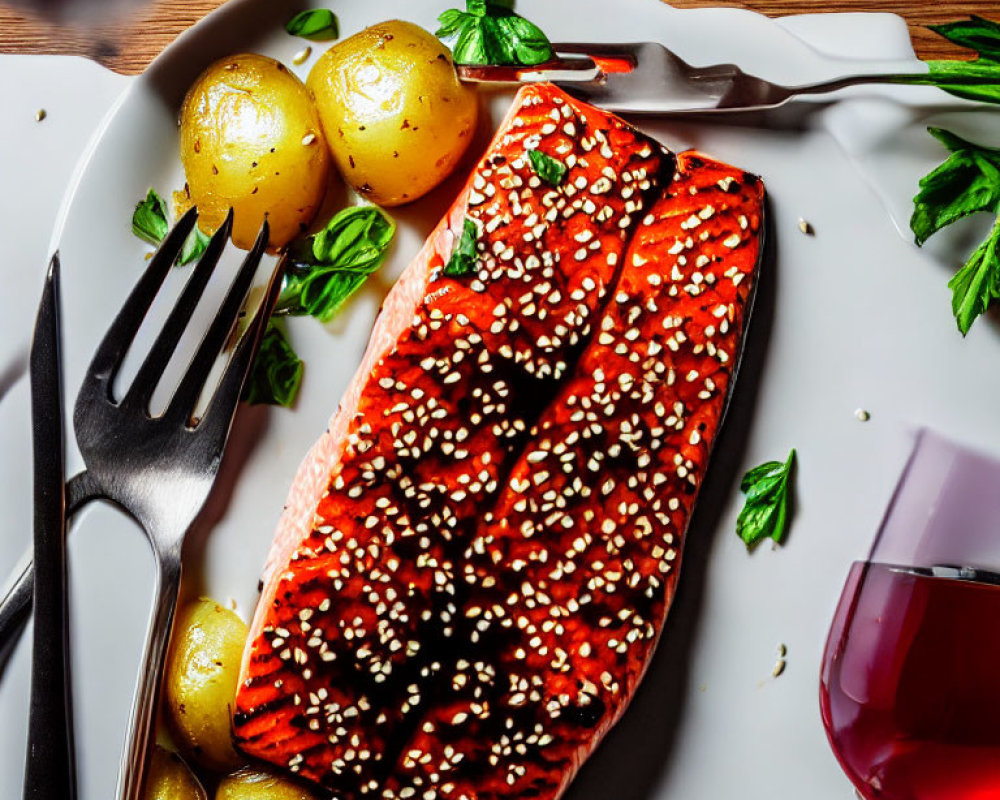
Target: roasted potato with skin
253	784
202	673
395	115
168	778
251	140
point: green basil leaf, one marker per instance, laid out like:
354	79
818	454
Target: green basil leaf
765	511
149	220
488	32
464	257
322	299
525	42
499	49
477	44
964	184
194	246
276	374
317	25
451	21
327	268
769	470
150	223
356	238
549	169
977	283
975	33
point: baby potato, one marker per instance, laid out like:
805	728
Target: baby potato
396	117
251	139
202	671
252	784
168	778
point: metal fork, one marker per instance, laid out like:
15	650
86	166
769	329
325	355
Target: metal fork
647	78
160	469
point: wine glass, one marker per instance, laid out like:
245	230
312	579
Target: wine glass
910	684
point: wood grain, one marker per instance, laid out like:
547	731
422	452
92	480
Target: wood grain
918	14
128	45
124	45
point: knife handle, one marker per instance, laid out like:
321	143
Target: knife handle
15	606
49	772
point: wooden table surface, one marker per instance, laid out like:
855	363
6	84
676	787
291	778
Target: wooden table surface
129	43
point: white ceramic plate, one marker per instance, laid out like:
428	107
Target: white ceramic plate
853	317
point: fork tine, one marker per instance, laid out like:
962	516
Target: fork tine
186	397
146	379
118	339
230	388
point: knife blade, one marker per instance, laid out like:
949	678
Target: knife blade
49	769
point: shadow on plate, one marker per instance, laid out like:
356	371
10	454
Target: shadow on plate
11	372
249	428
795	116
636	757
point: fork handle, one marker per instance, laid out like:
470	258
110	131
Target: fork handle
141	726
898	78
15	607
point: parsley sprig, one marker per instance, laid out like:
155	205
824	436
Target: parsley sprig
967	182
983	36
977	284
490	33
765	512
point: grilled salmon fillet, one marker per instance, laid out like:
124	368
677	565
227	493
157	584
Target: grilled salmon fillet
475	560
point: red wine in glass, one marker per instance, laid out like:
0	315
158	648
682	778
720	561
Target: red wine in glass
910	684
910	692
